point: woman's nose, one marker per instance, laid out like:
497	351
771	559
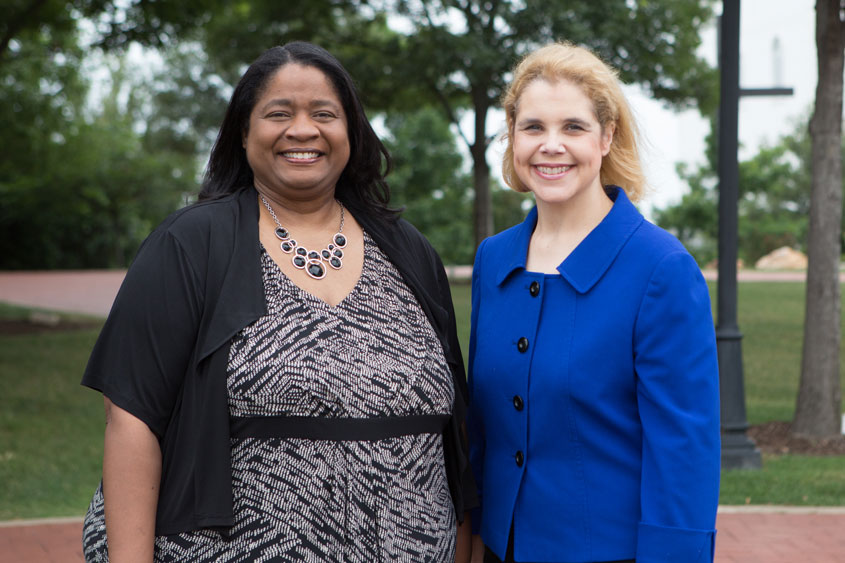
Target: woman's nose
553	144
301	127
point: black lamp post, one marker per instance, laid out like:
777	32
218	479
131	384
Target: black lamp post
738	450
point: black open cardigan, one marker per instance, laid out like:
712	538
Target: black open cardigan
163	352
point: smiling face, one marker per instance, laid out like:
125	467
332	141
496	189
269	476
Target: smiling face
297	143
558	143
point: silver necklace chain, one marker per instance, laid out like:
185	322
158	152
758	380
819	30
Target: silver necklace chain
313	262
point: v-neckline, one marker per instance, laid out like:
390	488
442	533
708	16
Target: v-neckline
307	295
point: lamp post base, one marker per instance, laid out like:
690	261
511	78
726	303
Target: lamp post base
739	452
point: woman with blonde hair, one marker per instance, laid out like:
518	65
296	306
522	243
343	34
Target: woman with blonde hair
594	402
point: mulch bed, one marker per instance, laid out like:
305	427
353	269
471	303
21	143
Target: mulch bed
774	438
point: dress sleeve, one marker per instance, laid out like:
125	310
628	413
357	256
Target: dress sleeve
678	397
143	351
474	419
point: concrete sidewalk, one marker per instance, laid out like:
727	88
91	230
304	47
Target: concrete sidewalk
92	291
749	534
89	292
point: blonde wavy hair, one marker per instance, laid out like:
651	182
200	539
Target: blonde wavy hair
600	83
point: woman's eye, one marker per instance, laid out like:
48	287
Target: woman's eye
324	115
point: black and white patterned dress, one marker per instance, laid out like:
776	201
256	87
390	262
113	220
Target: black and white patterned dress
373	355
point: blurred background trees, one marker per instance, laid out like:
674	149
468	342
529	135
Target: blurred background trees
774	201
108	110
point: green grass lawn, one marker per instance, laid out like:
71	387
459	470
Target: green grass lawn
51	428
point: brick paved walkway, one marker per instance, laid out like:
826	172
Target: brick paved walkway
746	535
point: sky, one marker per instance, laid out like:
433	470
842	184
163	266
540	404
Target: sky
777	48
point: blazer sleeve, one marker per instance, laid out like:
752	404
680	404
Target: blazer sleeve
475	425
143	351
678	397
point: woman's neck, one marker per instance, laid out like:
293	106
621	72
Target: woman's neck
308	212
561	227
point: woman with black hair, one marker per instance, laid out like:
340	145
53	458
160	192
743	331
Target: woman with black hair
281	371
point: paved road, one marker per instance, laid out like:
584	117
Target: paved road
746	535
92	291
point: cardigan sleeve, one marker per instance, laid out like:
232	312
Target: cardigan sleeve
678	397
142	353
468	494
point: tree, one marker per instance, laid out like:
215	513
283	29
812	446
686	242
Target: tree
458	54
818	405
774	201
452	54
82	187
428	181
24	19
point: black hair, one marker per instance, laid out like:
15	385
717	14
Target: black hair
361	184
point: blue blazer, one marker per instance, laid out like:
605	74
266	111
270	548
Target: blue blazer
594	401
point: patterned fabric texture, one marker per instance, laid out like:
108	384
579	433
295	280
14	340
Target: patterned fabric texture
373	355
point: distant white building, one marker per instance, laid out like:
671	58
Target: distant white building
777	48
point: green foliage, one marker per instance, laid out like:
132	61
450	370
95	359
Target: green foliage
453	55
465	50
83	187
26	20
774	202
428	181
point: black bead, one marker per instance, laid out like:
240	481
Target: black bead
338	252
340	240
313	255
519	458
299	261
336	263
287	247
316	270
301	250
282	233
517	402
522	344
325	254
534	289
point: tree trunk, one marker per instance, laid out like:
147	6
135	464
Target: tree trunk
818	406
482	205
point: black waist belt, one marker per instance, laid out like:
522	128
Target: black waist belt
338	429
